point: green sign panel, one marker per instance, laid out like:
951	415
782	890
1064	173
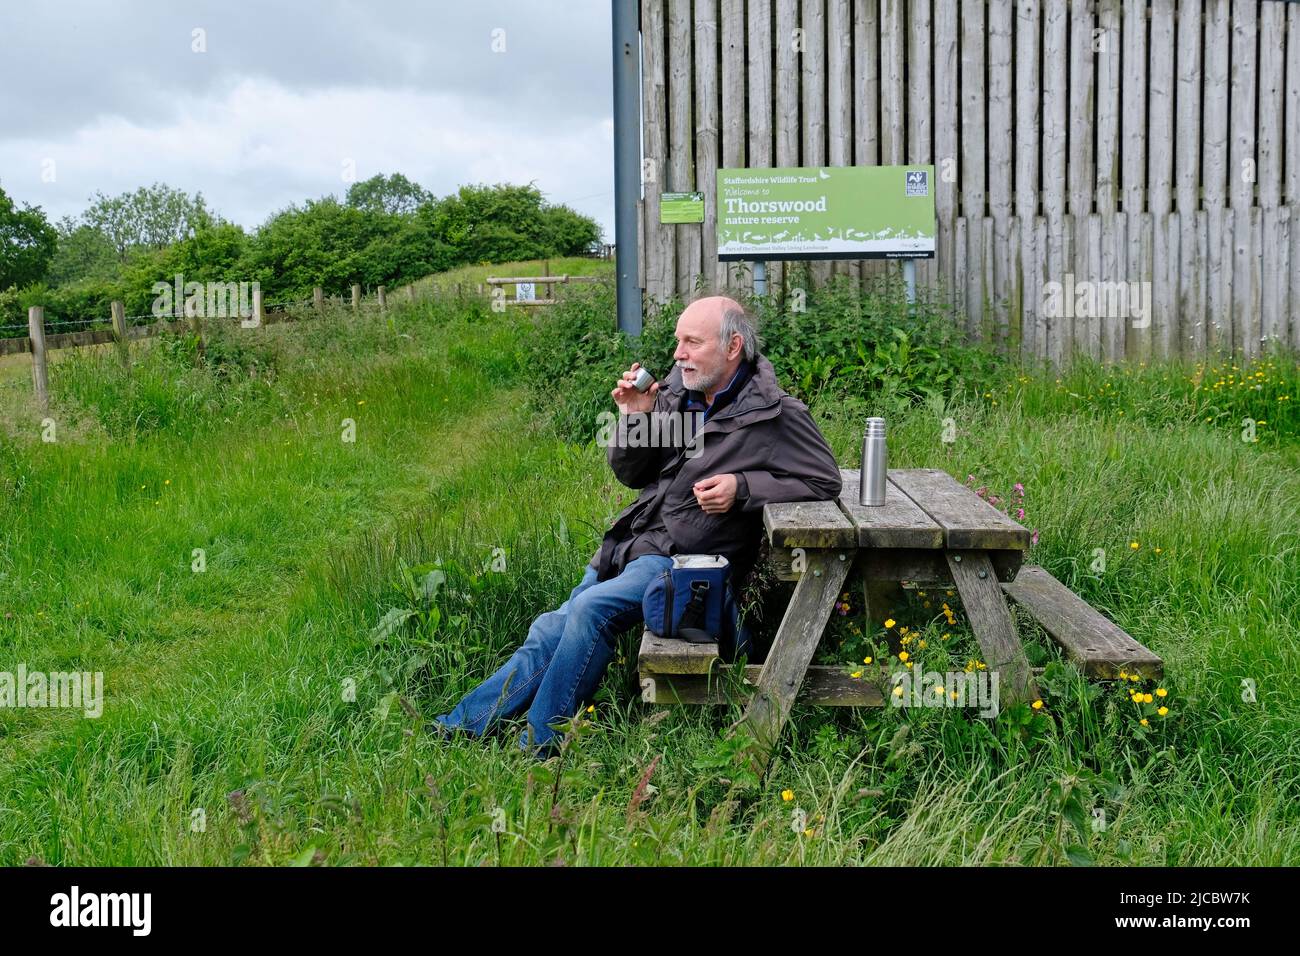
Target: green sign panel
681	207
828	212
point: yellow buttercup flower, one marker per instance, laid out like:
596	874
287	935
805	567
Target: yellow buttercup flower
1147	698
1161	692
898	692
1162	711
1144	722
591	709
1037	705
856	674
867	659
889	622
1134	545
902	655
787	795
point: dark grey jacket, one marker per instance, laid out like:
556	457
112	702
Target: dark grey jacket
763	435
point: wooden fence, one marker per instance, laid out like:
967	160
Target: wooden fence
1078	145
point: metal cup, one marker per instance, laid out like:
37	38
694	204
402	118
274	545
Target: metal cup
644	379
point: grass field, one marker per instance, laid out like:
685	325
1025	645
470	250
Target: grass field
255	713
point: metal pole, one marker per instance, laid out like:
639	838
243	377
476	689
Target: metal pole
760	278
627	165
909	277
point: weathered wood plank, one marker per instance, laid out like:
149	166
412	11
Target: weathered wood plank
813	87
1134	118
893	103
824	685
1272	32
1160	109
808	524
919	565
661	250
1293	112
681	155
1214	135
1056	59
792	649
839	95
732	118
898	523
973	132
662	655
1109	80
1098	646
1244	76
1083	95
968	520
990	620
945	142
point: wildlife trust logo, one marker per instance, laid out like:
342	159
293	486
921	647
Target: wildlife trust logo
82	690
918	182
652	430
951	689
205	300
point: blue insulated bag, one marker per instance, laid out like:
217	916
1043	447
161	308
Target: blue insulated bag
692	601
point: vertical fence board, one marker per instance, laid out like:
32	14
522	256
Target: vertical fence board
706	136
758	52
1055	97
1041	269
660	258
920	99
1241	149
1214	138
1187	151
945	139
787	92
1272	51
1000	159
732	30
1108	87
839	95
813	13
681	158
1293	110
1082	101
1134	119
1160	115
971	168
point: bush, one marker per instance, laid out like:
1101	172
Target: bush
840	343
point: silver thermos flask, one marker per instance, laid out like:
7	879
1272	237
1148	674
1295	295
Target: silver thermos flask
875	464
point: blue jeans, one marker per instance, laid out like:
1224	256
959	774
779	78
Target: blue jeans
558	668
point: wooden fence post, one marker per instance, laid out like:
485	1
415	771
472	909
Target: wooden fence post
383	299
118	311
356	297
40	375
318	298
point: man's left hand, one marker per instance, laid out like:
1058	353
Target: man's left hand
716	494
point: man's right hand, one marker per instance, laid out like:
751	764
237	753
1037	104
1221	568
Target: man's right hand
628	399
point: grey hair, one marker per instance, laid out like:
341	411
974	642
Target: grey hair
735	321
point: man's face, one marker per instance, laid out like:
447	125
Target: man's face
699	354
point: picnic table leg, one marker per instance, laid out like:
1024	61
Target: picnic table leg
792	648
990	619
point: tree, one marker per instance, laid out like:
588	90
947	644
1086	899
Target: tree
393	194
83	253
27	243
152	217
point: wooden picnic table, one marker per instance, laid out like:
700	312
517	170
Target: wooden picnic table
930	530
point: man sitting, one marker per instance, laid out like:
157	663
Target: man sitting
757	445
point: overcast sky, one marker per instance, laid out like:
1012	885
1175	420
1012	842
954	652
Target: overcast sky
111	96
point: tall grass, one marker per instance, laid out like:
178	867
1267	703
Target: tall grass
256	714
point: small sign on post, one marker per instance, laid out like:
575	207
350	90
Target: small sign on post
525	292
681	207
